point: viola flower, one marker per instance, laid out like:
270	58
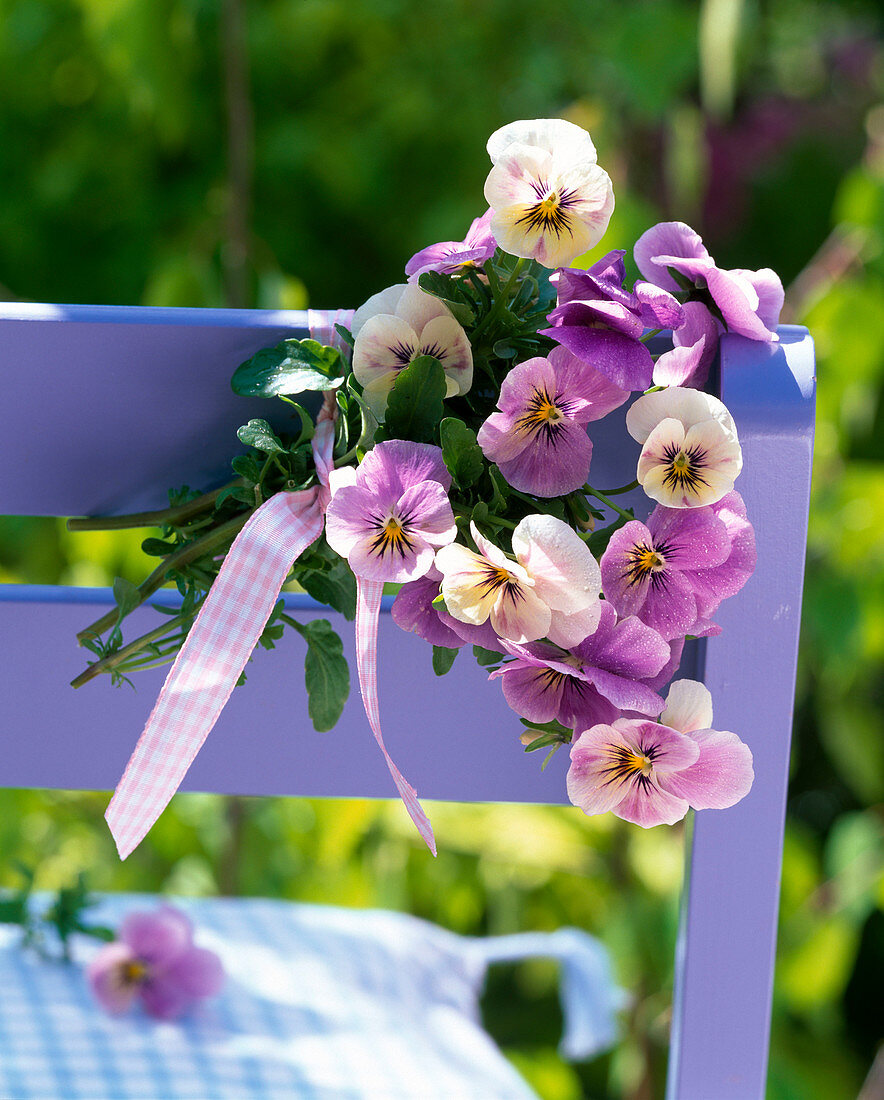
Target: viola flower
538	438
398	325
690	454
652	773
602	322
609	671
450	256
749	301
674	572
389	521
551	589
155	961
694	345
550	200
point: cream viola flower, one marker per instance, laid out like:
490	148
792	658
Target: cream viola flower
396	326
550	199
690	452
551	589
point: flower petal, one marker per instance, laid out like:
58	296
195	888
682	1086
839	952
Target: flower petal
687	405
157	937
722	775
413	611
666	239
565	574
568	141
688	707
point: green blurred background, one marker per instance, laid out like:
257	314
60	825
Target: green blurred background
286	152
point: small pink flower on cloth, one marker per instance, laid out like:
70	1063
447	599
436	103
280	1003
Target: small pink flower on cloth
155	960
652	773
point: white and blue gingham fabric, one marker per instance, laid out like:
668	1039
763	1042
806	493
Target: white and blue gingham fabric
320	1003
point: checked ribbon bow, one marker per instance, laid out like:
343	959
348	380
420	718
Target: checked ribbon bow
221	641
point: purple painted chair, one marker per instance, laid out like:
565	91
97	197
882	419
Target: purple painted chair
107	407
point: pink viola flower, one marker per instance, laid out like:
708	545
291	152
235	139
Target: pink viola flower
674	571
602	322
613	669
450	256
652	773
550	200
690	452
550	590
538	438
399	325
749	301
393	516
156	962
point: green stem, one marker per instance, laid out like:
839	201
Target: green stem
650	335
623	489
501	300
610	503
187	554
165	517
106	664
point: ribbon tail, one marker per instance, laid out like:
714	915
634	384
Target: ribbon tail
211	660
368	606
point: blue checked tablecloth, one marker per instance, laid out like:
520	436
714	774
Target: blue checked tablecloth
320	1003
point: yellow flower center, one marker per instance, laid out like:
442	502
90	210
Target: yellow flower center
684	469
391	538
133	972
549	215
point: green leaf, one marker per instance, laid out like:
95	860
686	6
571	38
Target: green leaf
157	548
291	367
326	673
447	290
500	487
259	434
236	492
414	407
486	657
336	588
246	466
126	595
443	659
460	452
554	726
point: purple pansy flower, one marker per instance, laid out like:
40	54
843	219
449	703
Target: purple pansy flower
538	438
394	515
674	572
450	256
602	323
156	961
652	773
592	681
750	301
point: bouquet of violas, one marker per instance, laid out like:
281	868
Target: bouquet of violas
448	451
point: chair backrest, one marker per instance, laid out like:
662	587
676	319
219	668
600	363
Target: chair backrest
108	407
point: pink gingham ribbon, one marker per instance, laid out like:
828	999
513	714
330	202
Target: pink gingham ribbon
368	606
226	631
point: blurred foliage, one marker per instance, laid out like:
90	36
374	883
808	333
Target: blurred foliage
760	123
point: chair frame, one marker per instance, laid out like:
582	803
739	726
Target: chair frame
115	380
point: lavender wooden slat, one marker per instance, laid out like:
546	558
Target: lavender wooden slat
453	737
725	959
108	407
